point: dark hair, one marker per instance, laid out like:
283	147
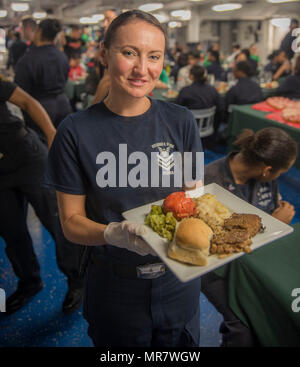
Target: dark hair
28	21
49	29
199	73
275	54
127	17
297	65
236	46
182	59
295	21
215	54
245	67
271	146
246	52
194	54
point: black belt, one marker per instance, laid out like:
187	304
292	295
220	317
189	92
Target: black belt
130	271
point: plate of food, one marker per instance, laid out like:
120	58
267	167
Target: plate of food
196	232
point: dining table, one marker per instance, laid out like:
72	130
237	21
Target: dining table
264	290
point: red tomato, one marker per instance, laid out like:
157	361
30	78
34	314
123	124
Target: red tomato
180	205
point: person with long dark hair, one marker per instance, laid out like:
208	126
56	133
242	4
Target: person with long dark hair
250	173
43	73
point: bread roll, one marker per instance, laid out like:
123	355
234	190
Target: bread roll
191	242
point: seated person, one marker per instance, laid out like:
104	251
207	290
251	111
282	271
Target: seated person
248	173
183	79
200	95
245	55
215	68
290	87
76	72
246	91
279	65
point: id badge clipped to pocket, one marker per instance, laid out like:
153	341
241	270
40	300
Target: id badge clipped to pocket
150	271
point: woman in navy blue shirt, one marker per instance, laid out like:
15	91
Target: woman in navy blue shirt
100	165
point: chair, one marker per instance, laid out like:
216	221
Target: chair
205	121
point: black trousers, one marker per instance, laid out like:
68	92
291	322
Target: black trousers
19	249
234	332
17	189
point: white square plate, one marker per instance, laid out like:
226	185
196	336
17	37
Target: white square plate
275	229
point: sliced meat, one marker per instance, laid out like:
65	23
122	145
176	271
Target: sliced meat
232	236
249	222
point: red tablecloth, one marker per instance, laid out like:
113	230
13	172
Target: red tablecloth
274	114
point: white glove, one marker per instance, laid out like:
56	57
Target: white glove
126	235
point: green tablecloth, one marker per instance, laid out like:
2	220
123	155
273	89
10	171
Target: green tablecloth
260	290
243	117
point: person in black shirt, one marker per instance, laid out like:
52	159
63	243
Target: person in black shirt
22	163
199	94
43	73
279	65
17	49
290	87
246	91
286	44
215	68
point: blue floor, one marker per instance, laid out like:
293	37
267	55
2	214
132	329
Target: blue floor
42	323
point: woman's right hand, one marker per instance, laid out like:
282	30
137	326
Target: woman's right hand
285	212
126	235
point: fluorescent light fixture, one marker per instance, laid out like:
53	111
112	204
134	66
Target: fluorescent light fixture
174	24
20	6
39	14
3	13
151	6
227	7
281	1
281	22
182	14
88	20
98	17
161	18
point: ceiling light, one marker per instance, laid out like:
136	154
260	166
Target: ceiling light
174	24
39	14
98	17
88	20
3	13
183	14
227	7
151	6
20	6
281	22
161	18
281	1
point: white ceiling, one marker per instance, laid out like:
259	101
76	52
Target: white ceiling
71	10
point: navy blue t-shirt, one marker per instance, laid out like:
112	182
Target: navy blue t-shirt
113	160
